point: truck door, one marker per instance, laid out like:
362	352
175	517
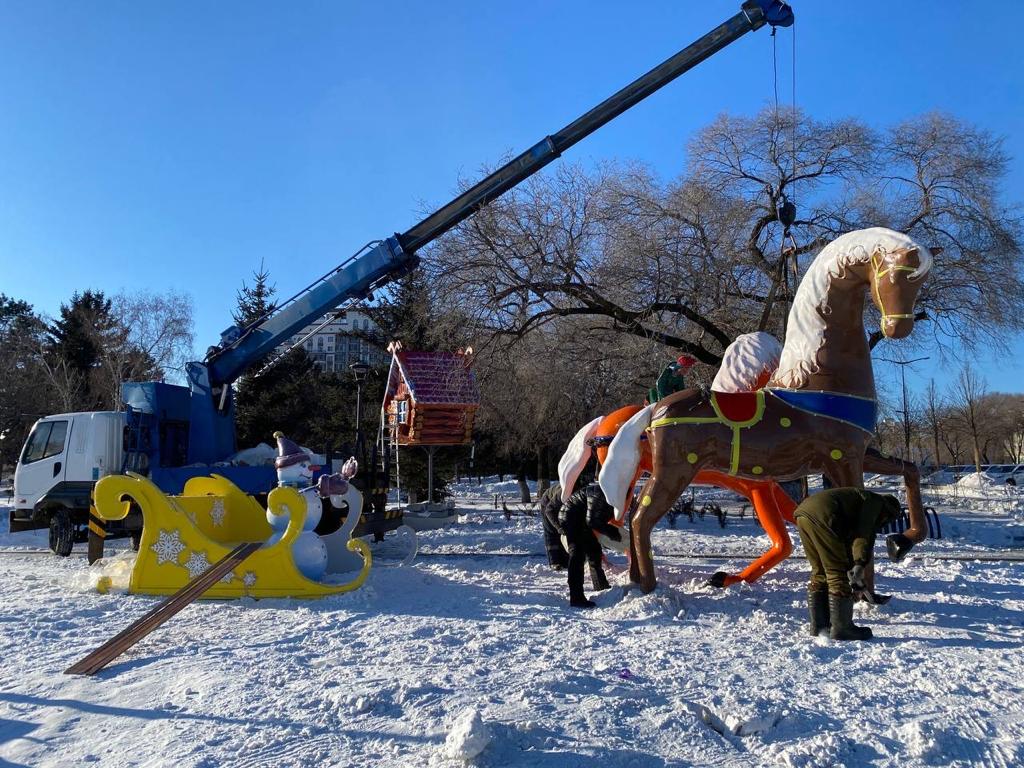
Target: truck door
43	462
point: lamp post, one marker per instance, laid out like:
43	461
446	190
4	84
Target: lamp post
906	408
359	372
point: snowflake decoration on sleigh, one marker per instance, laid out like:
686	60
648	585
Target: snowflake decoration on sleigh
168	547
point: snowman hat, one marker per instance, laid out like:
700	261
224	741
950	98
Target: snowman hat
288	452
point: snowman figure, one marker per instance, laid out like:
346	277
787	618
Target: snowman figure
295	470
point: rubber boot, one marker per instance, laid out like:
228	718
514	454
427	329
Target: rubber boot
598	581
841	613
817	607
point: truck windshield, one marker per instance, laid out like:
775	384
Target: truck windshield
47	439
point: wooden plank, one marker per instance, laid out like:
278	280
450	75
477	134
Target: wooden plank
124	640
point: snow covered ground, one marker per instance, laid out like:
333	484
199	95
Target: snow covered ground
472	654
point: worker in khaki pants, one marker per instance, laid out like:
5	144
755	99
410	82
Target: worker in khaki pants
837	528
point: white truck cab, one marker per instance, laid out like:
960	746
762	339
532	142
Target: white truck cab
63	458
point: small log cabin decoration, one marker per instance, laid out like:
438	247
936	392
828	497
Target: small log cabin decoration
431	397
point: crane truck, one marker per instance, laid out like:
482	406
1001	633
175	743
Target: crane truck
172	433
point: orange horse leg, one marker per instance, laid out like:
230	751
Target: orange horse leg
771	514
773	508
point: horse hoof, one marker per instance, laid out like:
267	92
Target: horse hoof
647	586
898	545
718	580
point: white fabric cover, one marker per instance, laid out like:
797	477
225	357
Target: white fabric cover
575	458
749	356
623	458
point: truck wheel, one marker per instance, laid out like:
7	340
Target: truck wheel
62	533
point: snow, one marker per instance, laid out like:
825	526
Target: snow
467	738
977	481
471	656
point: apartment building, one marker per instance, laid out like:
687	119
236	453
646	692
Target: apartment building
336	346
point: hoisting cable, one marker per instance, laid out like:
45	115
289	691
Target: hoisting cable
786	209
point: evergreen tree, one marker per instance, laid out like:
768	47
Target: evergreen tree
254	302
404	313
282	397
75	335
22	397
11	310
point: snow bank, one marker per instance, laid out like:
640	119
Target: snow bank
978	481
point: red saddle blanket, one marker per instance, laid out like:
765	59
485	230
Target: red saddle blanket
736	406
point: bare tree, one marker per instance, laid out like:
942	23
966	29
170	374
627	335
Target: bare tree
690	264
966	398
931	413
148	335
1007	415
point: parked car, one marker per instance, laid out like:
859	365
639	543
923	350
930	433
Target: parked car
1006	473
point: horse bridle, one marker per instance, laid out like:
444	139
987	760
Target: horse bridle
891	270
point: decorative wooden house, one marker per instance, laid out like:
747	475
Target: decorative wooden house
431	397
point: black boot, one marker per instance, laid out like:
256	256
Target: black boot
579	600
598	581
817	607
841	613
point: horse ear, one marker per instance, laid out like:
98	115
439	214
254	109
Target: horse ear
936	250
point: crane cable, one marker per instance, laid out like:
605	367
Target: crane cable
786	210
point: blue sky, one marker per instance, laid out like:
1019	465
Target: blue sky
155	145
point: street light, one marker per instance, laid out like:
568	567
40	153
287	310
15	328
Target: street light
359	372
906	409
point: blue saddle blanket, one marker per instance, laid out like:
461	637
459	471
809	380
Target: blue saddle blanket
858	411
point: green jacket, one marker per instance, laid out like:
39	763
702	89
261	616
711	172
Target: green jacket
852	515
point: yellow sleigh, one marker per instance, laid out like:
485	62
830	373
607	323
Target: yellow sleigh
182	536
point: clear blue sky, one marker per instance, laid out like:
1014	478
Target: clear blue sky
154	145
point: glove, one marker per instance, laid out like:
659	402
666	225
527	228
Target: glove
856	577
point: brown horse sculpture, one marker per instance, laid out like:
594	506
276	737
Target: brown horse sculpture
772	506
818	413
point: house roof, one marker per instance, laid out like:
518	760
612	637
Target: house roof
434	378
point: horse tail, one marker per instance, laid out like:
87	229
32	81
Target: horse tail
620	467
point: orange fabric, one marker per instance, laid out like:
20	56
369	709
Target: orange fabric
610	426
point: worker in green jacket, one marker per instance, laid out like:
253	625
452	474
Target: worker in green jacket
837	528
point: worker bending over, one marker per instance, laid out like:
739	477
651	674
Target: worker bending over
585	512
837	528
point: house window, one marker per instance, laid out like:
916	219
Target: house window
403	412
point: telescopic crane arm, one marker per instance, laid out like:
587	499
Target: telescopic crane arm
386	260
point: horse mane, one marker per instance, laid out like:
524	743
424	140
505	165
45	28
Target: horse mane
805	328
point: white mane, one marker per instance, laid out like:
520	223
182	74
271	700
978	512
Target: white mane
805	329
746	361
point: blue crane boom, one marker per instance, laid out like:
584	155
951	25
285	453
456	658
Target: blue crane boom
212	423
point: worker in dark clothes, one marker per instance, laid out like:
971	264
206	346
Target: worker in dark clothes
585	513
837	528
550	503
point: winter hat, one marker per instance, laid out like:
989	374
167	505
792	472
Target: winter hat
288	452
686	361
891	506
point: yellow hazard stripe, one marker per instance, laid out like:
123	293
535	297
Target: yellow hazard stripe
96	524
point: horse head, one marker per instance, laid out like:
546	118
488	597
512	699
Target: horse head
896	278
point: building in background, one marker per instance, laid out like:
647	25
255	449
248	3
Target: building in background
341	342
